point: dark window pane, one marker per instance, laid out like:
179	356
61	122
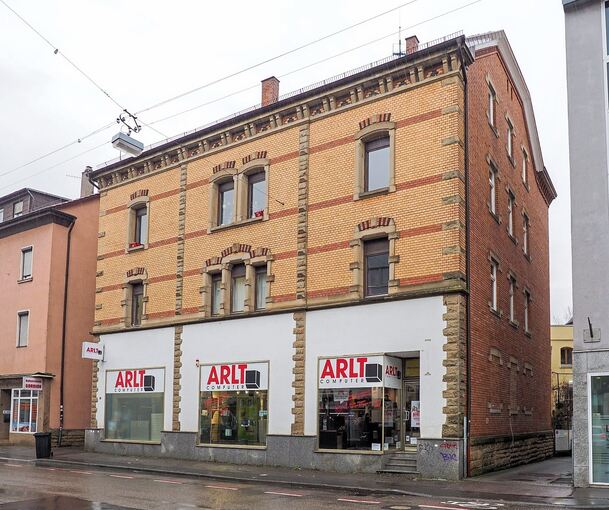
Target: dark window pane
216	281
226	203
256	196
260	288
137	303
376	260
141	225
238	288
376	171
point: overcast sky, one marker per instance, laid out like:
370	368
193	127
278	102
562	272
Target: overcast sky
143	52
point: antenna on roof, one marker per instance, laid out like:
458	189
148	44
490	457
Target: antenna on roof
399	53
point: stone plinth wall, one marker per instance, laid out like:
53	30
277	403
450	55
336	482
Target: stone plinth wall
73	437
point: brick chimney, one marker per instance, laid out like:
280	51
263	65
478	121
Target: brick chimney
270	91
86	188
412	44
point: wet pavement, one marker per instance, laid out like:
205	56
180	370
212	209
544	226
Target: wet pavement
60	503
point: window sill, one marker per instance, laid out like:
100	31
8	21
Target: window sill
21	346
526	256
130	249
514	324
494	311
238	223
495	216
511	160
513	239
493	128
528	333
567	366
25	280
372	193
526	186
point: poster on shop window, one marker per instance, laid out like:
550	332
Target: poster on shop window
415	414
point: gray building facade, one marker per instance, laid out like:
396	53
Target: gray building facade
587	61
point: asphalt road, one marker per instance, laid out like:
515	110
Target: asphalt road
24	486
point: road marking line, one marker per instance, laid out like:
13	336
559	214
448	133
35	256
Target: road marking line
14	465
285	494
49	469
168	481
224	488
366	502
81	472
443	507
122	476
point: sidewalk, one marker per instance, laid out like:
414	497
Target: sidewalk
545	482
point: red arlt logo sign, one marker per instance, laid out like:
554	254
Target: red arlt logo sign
132	381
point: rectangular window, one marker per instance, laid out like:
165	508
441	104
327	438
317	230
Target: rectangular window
510	139
234	404
492	98
511	205
137	303
527	308
376	164
24	411
1	215
216	289
376	267
525	169
226	202
23	323
512	281
566	356
256	194
260	287
494	284
17	209
134	404
238	288
492	177
26	263
141	225
599	425
525	234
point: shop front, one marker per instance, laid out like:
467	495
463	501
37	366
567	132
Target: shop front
366	403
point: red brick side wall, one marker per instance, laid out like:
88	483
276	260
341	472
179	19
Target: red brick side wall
493	383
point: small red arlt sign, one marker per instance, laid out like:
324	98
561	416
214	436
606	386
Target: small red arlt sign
32	383
92	350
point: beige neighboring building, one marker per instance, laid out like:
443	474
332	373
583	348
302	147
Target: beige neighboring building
561	337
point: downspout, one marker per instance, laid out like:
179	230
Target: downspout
63	333
467	418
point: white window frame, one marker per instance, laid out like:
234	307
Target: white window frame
512	281
494	270
23	250
21	313
526	230
510	138
511	206
31	398
589	418
1	215
491	112
527	310
20	212
492	180
525	167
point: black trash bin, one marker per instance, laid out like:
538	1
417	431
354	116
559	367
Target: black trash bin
43	445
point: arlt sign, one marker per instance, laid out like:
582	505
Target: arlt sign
235	377
143	380
360	372
92	350
32	383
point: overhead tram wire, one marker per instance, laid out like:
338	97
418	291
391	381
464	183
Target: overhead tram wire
451	11
56	51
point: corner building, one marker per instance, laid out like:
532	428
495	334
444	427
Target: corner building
292	286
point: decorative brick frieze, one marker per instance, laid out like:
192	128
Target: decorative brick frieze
253	156
139	193
381	117
136	271
298	371
455	376
177	375
236	248
227	165
381	221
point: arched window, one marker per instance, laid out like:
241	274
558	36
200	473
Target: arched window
566	356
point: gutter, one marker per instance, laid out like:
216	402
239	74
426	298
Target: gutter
63	334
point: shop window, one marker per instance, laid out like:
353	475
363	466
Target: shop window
599	418
23	324
18	209
260	288
566	356
24	411
226	202
216	293
376	164
137	303
26	263
134	404
234	404
376	267
358	408
238	288
256	194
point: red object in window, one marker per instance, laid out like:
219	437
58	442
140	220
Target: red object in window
258	214
134	245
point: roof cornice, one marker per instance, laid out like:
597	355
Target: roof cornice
35	219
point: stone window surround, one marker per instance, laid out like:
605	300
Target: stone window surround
132	206
514	204
240	179
494	167
510	124
494	259
372	131
224	268
526	216
526	167
357	256
138	276
527	293
492	122
511	277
